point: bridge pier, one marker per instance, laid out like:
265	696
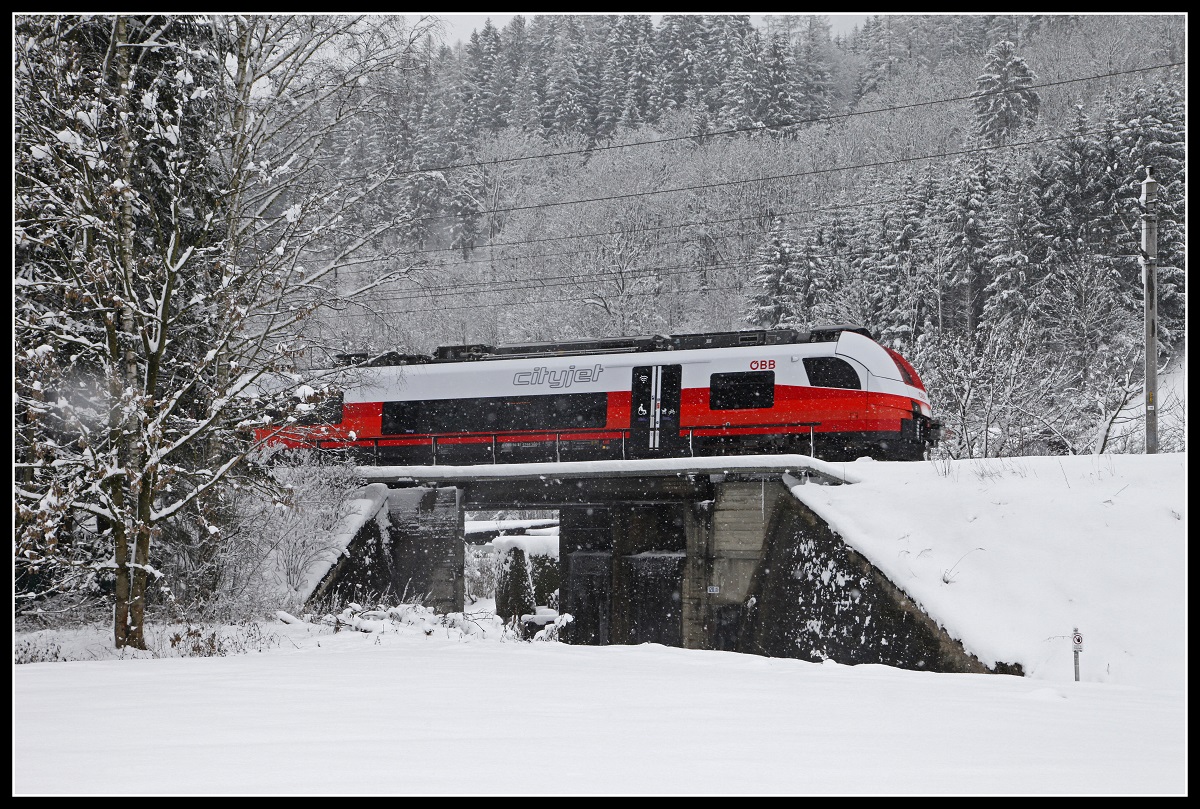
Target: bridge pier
680	574
426	536
410	550
622	570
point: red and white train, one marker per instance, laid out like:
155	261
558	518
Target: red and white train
833	392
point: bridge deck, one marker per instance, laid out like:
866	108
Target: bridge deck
742	466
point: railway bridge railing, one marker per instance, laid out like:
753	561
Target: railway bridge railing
564	445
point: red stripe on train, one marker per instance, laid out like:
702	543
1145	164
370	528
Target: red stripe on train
834	409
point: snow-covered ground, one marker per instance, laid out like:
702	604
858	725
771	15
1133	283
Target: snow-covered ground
1008	555
356	713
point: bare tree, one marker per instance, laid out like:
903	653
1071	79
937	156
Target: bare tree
183	209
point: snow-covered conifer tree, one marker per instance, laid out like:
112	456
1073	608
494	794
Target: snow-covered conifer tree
813	69
514	586
1005	100
772	302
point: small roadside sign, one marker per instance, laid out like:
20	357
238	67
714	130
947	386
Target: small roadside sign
1076	648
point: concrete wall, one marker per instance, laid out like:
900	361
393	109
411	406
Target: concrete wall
419	558
816	598
427	547
737	565
737	543
757	572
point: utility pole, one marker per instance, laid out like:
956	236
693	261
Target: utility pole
1149	262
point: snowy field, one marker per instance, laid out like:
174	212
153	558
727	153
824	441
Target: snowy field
1008	555
357	713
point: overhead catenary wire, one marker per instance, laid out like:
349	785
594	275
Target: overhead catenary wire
642	274
517	284
556	300
770	178
576	279
536	283
714	237
619	232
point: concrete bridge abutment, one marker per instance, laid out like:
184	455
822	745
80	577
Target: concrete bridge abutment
718	558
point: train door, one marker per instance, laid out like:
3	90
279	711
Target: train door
654	420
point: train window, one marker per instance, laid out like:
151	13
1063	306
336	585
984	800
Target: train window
831	372
496	414
744	391
903	366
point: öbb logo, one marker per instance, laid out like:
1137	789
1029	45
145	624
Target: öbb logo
762	365
562	378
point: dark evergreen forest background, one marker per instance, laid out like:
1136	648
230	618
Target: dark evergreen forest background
965	186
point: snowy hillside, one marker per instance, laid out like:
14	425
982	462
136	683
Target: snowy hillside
1010	555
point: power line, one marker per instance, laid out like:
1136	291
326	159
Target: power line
495	245
646	229
779	215
771	178
569	280
516	285
670	271
520	285
797	122
701	291
494	285
898	161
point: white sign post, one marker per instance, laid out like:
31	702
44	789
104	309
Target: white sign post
1077	646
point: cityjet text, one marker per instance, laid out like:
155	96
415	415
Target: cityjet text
562	378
